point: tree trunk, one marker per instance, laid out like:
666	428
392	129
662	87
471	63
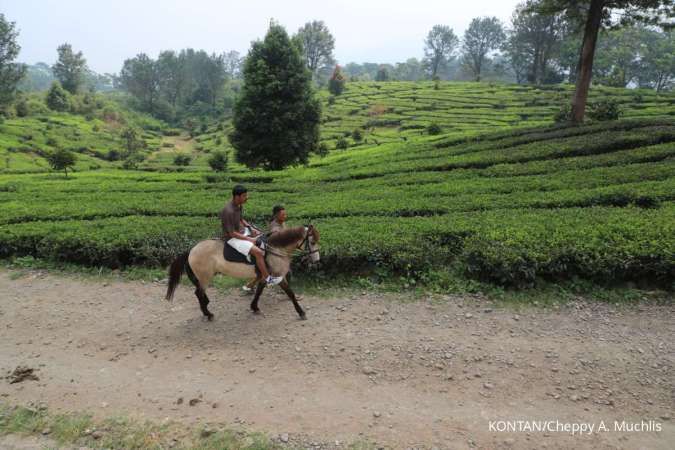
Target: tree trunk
585	68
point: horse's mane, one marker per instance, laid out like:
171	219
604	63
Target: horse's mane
284	238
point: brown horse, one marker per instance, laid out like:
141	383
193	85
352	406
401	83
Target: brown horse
206	259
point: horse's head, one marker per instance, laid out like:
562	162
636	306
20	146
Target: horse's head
312	245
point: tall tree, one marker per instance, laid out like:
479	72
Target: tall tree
232	61
439	47
483	36
57	97
276	117
70	68
11	73
336	83
658	61
410	70
597	12
533	42
317	45
208	73
139	77
618	60
172	75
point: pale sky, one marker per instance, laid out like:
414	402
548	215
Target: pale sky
108	32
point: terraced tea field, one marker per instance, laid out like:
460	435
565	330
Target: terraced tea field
501	195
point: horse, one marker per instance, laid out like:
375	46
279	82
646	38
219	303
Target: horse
206	259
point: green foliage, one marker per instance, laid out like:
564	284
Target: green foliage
132	141
322	150
61	159
357	135
342	144
57	98
22	109
276	118
114	155
218	161
133	160
11	73
439	45
182	160
70	68
316	44
482	199
336	83
564	113
607	109
481	37
382	74
434	129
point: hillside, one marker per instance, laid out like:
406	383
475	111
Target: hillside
382	113
509	206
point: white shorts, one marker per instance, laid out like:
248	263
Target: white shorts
242	246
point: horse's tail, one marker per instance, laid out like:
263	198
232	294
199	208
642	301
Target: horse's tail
175	272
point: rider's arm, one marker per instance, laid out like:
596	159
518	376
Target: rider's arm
254	230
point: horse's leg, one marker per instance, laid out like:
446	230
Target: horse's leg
203	303
287	289
201	283
254	303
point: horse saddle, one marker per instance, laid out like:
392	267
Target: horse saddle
232	255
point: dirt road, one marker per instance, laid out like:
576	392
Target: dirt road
372	367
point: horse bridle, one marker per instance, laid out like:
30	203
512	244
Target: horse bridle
304	243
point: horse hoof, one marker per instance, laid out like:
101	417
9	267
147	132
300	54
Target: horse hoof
257	312
303	317
209	317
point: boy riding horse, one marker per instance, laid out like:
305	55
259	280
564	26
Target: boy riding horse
234	231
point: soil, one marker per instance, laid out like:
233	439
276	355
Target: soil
382	368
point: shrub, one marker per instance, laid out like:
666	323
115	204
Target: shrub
57	97
22	109
218	161
564	113
132	161
342	144
357	135
434	129
113	155
606	109
61	159
336	83
331	100
322	149
182	160
171	132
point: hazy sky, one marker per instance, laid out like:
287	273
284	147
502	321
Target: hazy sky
107	32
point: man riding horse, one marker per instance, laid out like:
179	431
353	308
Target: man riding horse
235	231
226	256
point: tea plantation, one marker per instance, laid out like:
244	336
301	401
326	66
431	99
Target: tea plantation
495	191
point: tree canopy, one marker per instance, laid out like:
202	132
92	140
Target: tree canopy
276	117
11	73
317	44
70	68
439	46
483	36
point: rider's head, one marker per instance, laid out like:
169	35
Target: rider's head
239	194
279	213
